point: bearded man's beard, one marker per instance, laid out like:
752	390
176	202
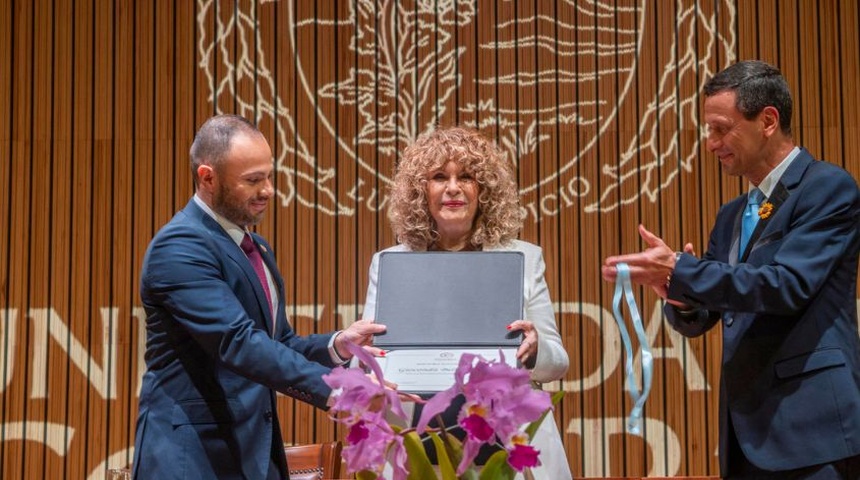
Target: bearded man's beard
228	207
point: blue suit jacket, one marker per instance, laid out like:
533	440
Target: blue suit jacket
790	381
207	402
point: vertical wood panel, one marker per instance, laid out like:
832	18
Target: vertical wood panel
183	125
327	241
306	234
123	408
40	199
808	111
849	25
8	309
21	115
350	274
82	323
61	234
288	87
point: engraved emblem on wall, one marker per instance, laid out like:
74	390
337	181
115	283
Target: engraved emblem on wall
411	58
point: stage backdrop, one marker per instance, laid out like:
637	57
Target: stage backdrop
596	102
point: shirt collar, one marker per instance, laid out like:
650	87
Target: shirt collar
768	185
236	232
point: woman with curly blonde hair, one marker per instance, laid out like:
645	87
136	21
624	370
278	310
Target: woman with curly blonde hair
497	218
454	191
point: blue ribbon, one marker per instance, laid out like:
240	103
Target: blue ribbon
623	286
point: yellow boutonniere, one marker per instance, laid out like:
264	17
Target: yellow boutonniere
765	210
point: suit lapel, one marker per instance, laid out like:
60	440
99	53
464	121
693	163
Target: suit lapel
789	180
776	199
229	248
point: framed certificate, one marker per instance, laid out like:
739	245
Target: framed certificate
438	305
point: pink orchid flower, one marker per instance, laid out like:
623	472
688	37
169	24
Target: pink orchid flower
499	400
371	443
523	456
360	403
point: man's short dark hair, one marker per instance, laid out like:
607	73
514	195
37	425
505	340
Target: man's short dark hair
213	140
757	85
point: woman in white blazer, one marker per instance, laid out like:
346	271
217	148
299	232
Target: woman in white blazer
454	191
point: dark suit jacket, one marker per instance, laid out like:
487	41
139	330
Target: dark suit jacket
790	381
207	402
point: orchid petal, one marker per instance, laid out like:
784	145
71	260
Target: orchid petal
523	456
436	405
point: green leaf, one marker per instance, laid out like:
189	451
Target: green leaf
419	465
454	452
453	446
497	467
469	474
365	475
446	468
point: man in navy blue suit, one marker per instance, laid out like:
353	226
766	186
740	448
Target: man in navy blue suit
218	344
780	275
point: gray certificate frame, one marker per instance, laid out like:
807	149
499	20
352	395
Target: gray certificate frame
449	299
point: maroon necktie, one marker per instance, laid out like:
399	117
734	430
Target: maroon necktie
257	262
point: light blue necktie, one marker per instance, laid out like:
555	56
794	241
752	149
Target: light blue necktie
749	220
623	287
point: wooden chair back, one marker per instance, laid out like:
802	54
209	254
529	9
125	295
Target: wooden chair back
316	461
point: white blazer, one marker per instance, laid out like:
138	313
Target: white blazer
552	360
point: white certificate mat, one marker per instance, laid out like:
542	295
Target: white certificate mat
425	370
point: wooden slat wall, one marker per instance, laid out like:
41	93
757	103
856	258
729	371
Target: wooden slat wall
597	102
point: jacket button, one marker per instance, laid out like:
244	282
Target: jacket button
268	415
729	321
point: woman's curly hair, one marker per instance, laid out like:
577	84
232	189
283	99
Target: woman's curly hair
498	218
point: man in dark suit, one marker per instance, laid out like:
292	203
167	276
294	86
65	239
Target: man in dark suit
218	344
786	295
